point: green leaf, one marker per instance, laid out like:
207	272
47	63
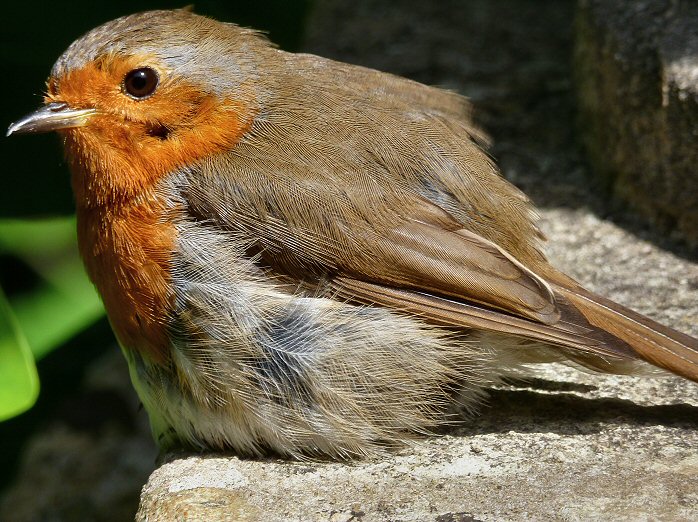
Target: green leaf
65	302
19	382
51	315
37	238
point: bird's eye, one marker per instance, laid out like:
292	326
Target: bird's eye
141	83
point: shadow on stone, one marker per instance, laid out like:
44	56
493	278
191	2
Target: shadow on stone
531	411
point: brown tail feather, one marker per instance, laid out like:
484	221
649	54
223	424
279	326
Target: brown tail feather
653	342
596	332
574	331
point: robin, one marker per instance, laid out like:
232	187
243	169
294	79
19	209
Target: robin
306	257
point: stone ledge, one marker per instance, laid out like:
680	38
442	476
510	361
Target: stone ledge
563	449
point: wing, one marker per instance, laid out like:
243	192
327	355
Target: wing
310	223
390	249
374	188
378	186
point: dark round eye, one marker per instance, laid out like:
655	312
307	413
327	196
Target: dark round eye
141	83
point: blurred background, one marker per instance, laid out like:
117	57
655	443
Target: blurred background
513	59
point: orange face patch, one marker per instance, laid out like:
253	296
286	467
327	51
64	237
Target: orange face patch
130	144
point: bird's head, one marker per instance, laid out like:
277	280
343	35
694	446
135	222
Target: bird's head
147	94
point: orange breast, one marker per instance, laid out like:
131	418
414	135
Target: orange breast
118	160
127	253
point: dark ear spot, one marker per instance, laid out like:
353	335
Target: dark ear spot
158	131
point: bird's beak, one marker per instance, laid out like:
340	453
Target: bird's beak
51	117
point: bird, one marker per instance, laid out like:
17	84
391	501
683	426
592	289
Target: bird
303	257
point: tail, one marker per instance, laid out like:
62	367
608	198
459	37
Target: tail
649	340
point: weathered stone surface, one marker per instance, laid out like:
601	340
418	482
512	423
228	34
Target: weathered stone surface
581	465
637	83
